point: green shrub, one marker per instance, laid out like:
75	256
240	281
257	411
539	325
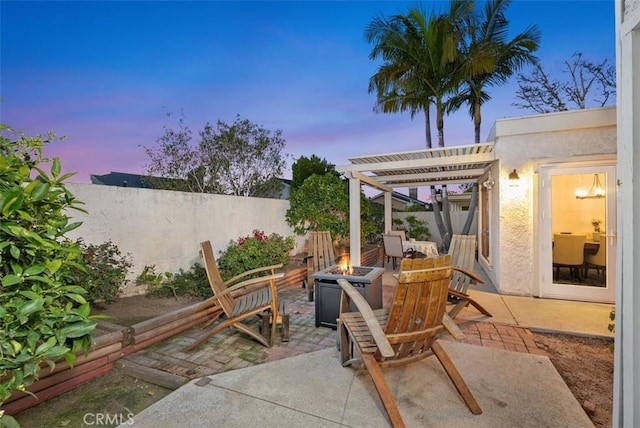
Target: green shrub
151	279
184	283
322	203
415	227
251	252
44	314
612	326
105	270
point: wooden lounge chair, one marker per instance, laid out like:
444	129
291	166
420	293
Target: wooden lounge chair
463	256
321	255
407	331
241	300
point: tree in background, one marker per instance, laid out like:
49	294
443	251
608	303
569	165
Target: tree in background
588	84
322	203
241	159
489	59
305	167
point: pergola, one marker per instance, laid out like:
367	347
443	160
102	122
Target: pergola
439	166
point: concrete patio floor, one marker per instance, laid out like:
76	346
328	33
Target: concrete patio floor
233	381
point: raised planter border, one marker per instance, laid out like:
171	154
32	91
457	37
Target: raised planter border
122	341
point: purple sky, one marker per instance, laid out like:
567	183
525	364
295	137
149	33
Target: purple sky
105	74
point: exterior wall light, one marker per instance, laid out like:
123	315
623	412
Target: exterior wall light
514	179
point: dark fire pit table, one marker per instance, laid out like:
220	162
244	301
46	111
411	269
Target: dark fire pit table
367	280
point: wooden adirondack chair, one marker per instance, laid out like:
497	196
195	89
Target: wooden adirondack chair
321	255
405	332
241	300
463	257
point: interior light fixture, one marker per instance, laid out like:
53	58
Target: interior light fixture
514	175
596	190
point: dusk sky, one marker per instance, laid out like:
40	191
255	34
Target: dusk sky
105	74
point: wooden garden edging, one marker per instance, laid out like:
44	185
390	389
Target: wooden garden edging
120	341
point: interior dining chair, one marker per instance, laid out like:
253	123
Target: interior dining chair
598	260
393	248
568	252
400	233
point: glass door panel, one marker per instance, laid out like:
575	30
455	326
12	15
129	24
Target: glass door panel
577	226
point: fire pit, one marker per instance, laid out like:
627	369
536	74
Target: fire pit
367	280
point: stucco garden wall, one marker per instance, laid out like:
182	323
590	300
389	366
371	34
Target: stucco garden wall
523	144
458	219
165	228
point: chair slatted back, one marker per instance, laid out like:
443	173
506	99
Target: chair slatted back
463	255
418	305
321	246
215	280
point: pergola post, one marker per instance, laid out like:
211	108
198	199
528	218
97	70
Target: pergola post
388	205
354	220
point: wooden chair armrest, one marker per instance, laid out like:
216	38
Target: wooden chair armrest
263	279
251	272
471	275
369	318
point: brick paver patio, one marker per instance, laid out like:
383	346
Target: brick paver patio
229	349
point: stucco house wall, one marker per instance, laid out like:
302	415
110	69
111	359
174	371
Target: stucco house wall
164	228
523	144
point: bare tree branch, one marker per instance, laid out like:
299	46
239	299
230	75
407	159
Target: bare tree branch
589	84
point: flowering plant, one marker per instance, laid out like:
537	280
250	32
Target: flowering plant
596	224
254	251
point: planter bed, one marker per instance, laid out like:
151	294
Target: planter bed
116	341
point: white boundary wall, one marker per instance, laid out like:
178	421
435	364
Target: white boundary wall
458	219
164	228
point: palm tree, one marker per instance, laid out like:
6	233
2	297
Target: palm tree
420	68
489	60
446	60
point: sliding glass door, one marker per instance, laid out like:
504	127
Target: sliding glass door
577	231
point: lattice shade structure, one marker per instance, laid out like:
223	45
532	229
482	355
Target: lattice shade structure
443	165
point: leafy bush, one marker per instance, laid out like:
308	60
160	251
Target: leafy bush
43	311
151	279
612	326
251	252
415	227
105	270
322	203
184	283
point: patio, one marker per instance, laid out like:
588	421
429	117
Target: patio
303	382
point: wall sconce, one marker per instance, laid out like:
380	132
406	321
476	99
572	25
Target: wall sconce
514	179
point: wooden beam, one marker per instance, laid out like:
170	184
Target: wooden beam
371	181
443	175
